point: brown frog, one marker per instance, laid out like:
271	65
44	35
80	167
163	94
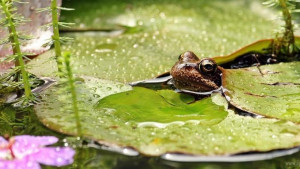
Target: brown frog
192	74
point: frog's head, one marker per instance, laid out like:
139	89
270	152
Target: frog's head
191	73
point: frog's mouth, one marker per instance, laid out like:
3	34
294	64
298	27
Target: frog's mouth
219	90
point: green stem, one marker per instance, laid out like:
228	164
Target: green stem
288	36
71	82
55	36
14	39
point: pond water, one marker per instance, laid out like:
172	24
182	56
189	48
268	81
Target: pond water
117	42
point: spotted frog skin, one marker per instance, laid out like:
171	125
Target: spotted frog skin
191	73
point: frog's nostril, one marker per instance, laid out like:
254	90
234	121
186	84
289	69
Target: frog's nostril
179	57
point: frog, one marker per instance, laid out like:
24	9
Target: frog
197	75
188	75
204	76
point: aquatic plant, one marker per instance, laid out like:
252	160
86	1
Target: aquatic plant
67	77
63	60
56	38
11	20
29	152
285	43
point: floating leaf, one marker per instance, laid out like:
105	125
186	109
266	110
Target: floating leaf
276	93
159	32
165	106
157	122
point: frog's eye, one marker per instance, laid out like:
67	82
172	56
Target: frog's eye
207	66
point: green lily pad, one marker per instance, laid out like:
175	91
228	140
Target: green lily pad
157	122
145	106
275	94
165	30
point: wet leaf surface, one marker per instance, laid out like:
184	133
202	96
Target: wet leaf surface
206	128
160	31
275	94
165	106
152	36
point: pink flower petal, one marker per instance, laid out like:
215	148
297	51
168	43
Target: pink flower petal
29	151
2	141
3	150
4	153
19	164
26	145
38	140
55	156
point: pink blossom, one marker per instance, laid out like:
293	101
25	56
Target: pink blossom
28	152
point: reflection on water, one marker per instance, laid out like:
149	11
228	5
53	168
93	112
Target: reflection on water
109	160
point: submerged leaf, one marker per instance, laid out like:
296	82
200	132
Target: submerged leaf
166	106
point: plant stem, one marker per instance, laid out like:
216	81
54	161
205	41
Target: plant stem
288	36
14	39
71	82
55	36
